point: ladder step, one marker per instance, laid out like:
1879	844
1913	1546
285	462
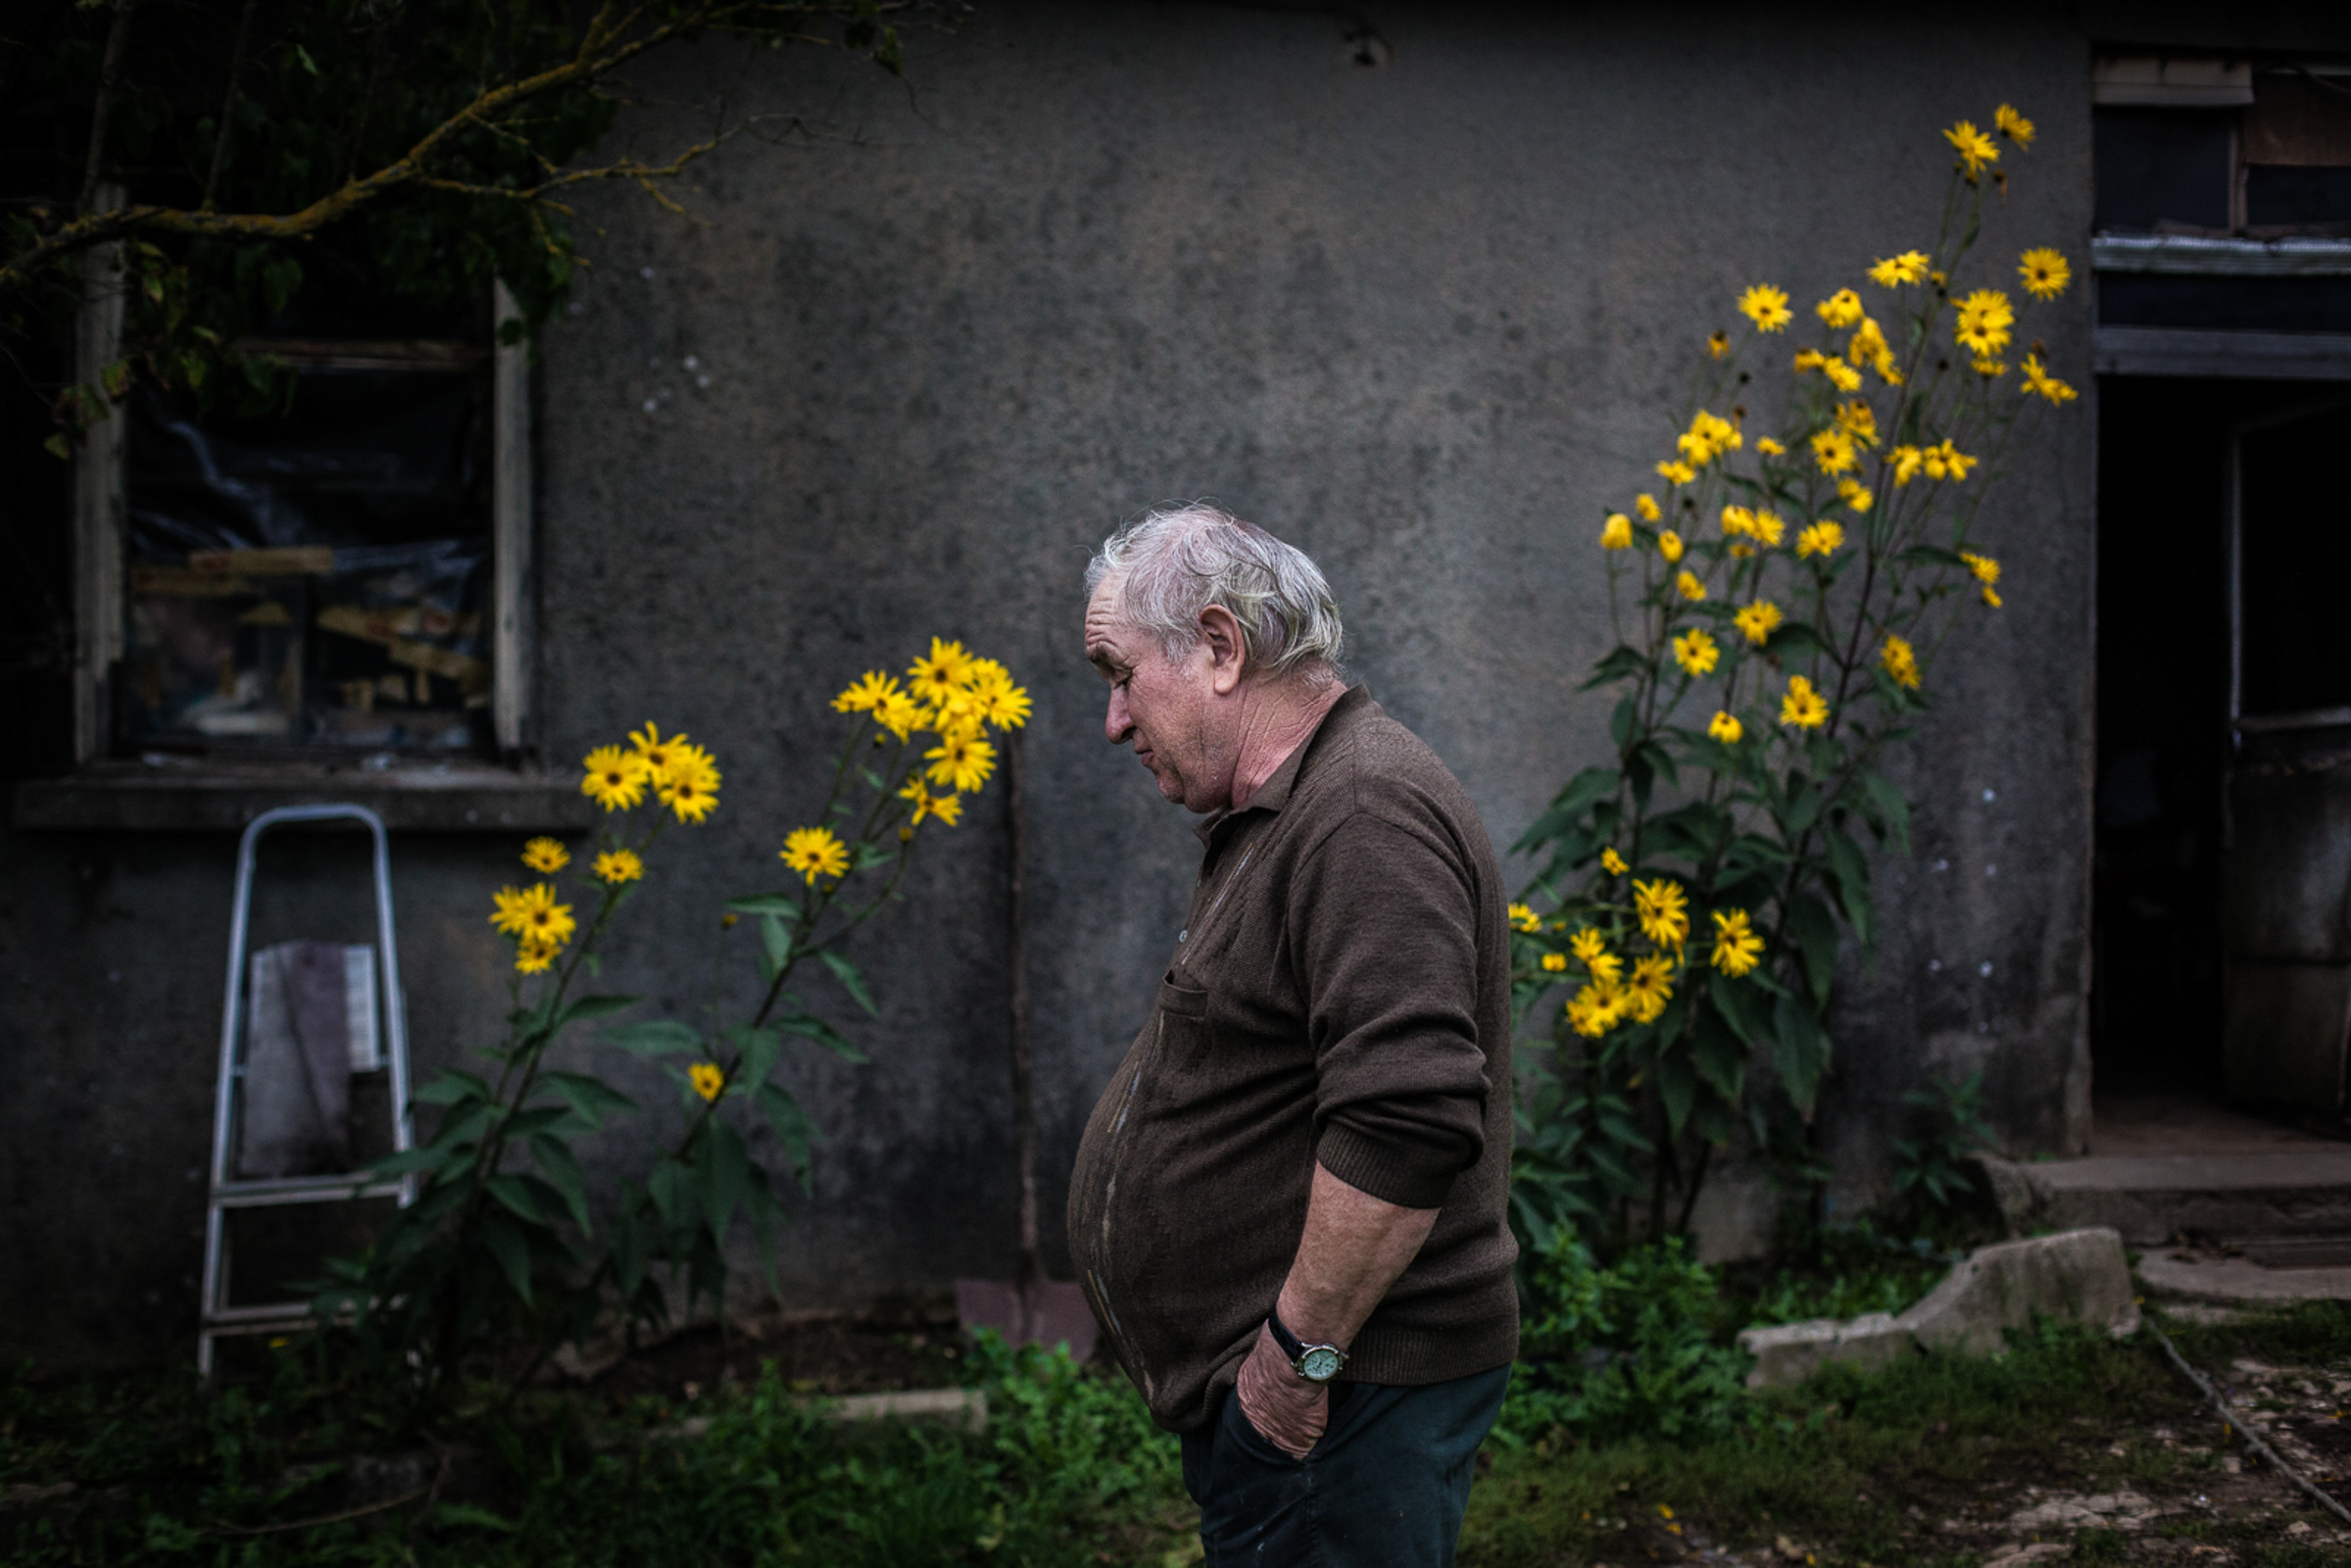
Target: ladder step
301	1190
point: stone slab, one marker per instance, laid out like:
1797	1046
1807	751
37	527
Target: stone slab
1788	1353
2078	1277
2229	1281
2151	1199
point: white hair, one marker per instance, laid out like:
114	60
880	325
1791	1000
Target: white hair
1177	561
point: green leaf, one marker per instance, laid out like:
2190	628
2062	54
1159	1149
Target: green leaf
783	905
1852	868
1677	1088
724	1166
1621	723
759	1048
1617	664
591	1098
561	1166
1930	556
810	1027
1718	1055
1738	1006
429	1158
587	1007
1794	638
1815	933
791	1127
1802	1053
466	1513
451	1087
851	981
1891	808
511	1248
515	1195
776	945
654	1037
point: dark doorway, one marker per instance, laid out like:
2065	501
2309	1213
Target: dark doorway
2164	724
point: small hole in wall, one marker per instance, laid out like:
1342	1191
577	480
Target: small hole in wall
1366	48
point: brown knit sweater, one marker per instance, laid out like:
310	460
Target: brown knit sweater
1340	995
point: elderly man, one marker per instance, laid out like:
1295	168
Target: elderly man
1289	1207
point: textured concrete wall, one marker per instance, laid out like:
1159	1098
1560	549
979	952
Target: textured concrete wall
1424	319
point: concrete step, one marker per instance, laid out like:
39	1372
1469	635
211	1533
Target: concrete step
2154	1198
2200	1274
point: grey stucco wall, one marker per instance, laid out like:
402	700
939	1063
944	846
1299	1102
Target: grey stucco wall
1425	321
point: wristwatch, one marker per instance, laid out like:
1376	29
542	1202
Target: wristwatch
1317	1363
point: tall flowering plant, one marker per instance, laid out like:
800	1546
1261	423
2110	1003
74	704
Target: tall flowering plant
1778	601
501	1242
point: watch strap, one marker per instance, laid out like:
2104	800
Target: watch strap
1295	1348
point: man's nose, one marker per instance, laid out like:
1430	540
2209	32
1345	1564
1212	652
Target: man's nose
1117	723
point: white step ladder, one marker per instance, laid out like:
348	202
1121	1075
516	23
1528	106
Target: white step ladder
380	968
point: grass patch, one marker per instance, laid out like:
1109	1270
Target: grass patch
163	1474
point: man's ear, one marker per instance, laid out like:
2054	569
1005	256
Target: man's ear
1228	653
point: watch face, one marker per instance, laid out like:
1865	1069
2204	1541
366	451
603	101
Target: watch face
1320	1363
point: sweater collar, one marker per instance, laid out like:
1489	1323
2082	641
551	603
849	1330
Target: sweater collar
1274	794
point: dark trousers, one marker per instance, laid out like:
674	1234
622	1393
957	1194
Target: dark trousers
1387	1485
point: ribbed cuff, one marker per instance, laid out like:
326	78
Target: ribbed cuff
1403	1174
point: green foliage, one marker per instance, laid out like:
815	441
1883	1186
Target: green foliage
1678	952
1843	1271
1629	1351
436	142
1069	1457
499	1254
1932	1166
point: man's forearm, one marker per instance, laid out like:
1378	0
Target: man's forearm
1353	1248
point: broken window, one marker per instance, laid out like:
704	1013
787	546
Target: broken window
2222	149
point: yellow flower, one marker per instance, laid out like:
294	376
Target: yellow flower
814	851
1726	728
688	785
1554	963
1802	707
1809	360
1617	532
1833	450
1908	268
1669	545
1695	652
1842	375
2044	271
1820	539
708	1081
1737	521
655	752
546	854
1611	861
1859	420
1689	586
619	865
536	957
1992	596
899	714
1985	317
1647	506
1673	472
1770	448
1708	437
1003	704
982	672
1986	568
1736	947
1840	309
1757	620
939	671
1719	343
2039	379
1854	493
1594	1011
1663	911
1588	945
1524	918
1649	989
1976	150
1901	662
532	914
1765	307
1769	530
1907	462
962	762
946	808
1948	462
864	693
2013	126
615	780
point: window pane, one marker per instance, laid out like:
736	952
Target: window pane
2277	196
2296	556
316	578
2159	165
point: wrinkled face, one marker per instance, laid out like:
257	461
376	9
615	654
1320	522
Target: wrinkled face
1170	709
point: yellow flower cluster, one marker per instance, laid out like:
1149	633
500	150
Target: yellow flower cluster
1986	572
679	774
1708	437
2039	381
539	926
1983	326
1943	462
1900	662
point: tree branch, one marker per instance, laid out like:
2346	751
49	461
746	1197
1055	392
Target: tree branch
228	105
110	73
